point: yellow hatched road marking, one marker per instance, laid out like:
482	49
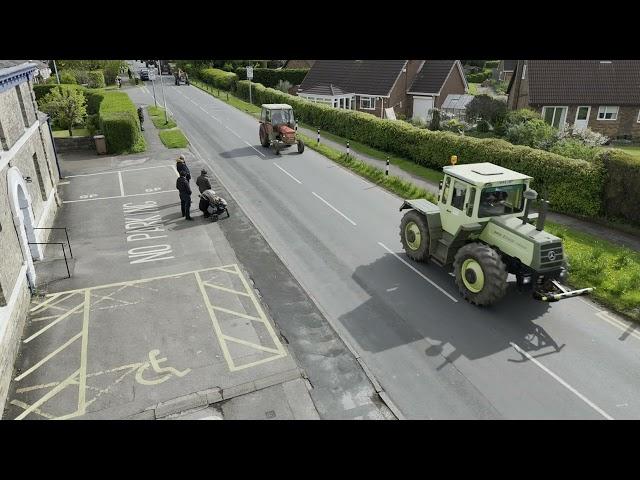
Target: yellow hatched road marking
51	355
232	312
83	355
230	290
250	344
25	406
58	320
50	394
47	303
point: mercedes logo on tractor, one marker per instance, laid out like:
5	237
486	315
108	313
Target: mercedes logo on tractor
551	255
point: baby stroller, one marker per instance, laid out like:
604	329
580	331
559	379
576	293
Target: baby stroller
212	205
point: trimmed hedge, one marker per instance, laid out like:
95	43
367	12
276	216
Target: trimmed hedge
573	186
479	77
491	64
622	185
218	78
120	124
96	79
269	77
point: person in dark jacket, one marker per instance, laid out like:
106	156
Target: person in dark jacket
181	166
182	184
141	117
203	182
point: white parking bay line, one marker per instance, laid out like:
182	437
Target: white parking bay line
119	196
335	209
288	173
452	298
562	382
120	181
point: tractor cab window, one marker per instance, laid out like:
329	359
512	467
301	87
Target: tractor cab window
501	200
267	116
263	115
283	117
459	194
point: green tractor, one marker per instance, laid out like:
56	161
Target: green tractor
482	226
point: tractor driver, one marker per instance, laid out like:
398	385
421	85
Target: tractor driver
277	117
492	203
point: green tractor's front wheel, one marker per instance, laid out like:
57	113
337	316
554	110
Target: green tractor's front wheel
414	235
481	275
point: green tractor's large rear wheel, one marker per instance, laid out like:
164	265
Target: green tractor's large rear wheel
481	275
414	235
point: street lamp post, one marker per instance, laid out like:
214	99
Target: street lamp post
166	117
56	69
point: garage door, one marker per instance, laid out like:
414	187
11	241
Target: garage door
421	107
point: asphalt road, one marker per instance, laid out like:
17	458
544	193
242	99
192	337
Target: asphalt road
436	356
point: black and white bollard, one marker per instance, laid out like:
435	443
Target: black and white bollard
387	170
347	149
318	141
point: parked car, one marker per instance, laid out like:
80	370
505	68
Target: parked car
144	74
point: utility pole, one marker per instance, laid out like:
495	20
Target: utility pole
56	69
166	116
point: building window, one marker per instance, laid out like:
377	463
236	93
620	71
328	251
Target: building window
608	113
554	116
368	103
24	111
36	165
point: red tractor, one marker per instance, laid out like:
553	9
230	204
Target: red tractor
278	127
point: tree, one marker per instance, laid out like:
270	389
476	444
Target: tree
68	107
486	108
435	120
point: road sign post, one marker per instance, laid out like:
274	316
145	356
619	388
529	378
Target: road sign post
152	77
250	77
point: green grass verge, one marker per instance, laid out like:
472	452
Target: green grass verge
173	138
613	270
376	175
228	97
158	118
77	132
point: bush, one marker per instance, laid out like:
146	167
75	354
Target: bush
622	185
574	148
96	79
93	123
67	77
94	99
534	134
573	186
479	77
120	124
41	91
515	117
219	78
435	120
270	77
483	126
67	107
283	86
486	108
491	64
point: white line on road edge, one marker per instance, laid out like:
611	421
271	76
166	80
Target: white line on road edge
111	172
565	384
452	298
627	328
335	209
288	173
253	147
120	181
119	196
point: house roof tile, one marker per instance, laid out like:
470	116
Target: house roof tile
431	76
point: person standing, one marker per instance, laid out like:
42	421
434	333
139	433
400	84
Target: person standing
141	117
203	182
182	185
181	166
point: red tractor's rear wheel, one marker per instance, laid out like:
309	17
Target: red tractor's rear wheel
264	138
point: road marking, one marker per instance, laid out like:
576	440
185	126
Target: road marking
120	181
55	322
628	329
50	394
110	172
562	382
82	404
452	298
51	355
254	148
119	196
174	170
335	209
288	173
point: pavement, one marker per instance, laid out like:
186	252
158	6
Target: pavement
431	355
610	234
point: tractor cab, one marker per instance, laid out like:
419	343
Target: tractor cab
278	127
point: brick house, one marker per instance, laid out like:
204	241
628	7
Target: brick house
603	95
371	86
28	202
298	63
435	81
506	69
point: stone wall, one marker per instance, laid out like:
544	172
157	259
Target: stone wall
74	143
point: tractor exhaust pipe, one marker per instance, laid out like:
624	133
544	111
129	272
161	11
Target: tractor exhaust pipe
542	215
530	196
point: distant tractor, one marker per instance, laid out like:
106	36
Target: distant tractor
181	78
278	127
482	226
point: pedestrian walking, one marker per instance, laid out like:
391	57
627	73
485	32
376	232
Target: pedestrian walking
130	74
141	117
203	182
184	190
181	166
118	81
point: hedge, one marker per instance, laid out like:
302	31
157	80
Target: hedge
96	79
269	77
491	64
42	90
218	78
622	186
120	124
479	77
573	186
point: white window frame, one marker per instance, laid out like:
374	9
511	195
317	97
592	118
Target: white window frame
555	107
603	110
372	100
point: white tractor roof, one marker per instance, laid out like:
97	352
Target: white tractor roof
483	173
276	106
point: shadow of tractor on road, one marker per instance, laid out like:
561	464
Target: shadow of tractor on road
412	311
